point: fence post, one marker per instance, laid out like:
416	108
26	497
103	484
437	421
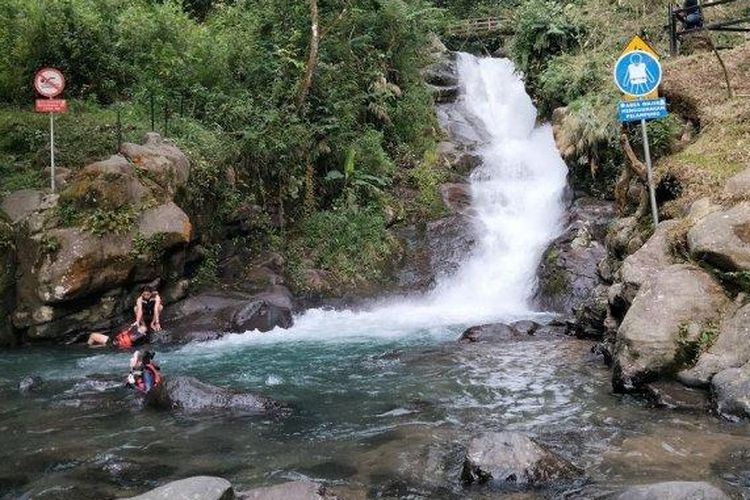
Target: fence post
672	31
153	112
119	129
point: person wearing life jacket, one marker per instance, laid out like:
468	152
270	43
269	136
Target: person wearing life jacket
131	337
148	308
144	373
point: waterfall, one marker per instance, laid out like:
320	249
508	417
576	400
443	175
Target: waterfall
516	193
517	209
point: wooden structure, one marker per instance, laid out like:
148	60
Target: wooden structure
741	24
468	28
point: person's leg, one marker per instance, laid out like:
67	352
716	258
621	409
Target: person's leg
97	338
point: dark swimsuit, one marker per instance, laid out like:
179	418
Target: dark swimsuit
148	307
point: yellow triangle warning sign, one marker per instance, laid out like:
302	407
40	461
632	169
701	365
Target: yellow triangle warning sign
638	43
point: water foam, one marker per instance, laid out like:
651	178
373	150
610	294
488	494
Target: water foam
517	209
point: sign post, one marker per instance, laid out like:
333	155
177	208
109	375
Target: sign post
637	74
49	83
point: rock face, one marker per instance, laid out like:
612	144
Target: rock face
730	350
513	458
192	395
192	488
222	312
738	184
651	258
670	313
7	282
722	238
731	392
82	255
568	272
674	490
293	490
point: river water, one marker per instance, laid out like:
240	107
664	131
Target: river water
384	399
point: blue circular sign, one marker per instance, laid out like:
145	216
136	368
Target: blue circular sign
637	73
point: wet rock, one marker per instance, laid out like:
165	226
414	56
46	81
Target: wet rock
293	490
221	312
192	488
668	315
443	72
568	272
456	197
30	384
518	331
722	238
526	327
444	94
675	396
730	350
7	282
513	458
674	490
192	395
731	392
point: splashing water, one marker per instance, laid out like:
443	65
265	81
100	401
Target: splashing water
517	208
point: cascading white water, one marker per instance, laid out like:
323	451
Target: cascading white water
517	205
516	193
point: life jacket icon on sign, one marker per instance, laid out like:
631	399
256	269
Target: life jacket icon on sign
637	73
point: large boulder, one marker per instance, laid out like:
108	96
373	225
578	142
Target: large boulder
161	160
738	185
730	350
514	458
651	258
191	395
292	490
731	392
674	490
668	316
192	488
568	272
223	312
518	331
722	238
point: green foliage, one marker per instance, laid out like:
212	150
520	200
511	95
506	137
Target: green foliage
49	245
352	245
542	28
148	249
208	271
426	177
568	77
690	350
101	222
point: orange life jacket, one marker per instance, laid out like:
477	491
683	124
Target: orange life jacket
123	340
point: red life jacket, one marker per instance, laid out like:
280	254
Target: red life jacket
123	340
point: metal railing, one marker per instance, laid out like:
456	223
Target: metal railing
740	24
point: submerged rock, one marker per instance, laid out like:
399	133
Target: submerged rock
192	488
674	490
518	331
293	490
29	384
190	394
665	322
675	396
513	458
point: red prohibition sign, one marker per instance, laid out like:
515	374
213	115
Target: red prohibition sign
49	82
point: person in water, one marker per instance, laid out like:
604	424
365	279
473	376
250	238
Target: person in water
144	373
130	337
148	308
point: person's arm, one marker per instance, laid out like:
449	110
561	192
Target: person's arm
155	323
139	312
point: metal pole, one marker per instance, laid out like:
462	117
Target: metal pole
52	148
651	191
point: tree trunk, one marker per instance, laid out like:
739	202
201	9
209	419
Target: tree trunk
312	56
